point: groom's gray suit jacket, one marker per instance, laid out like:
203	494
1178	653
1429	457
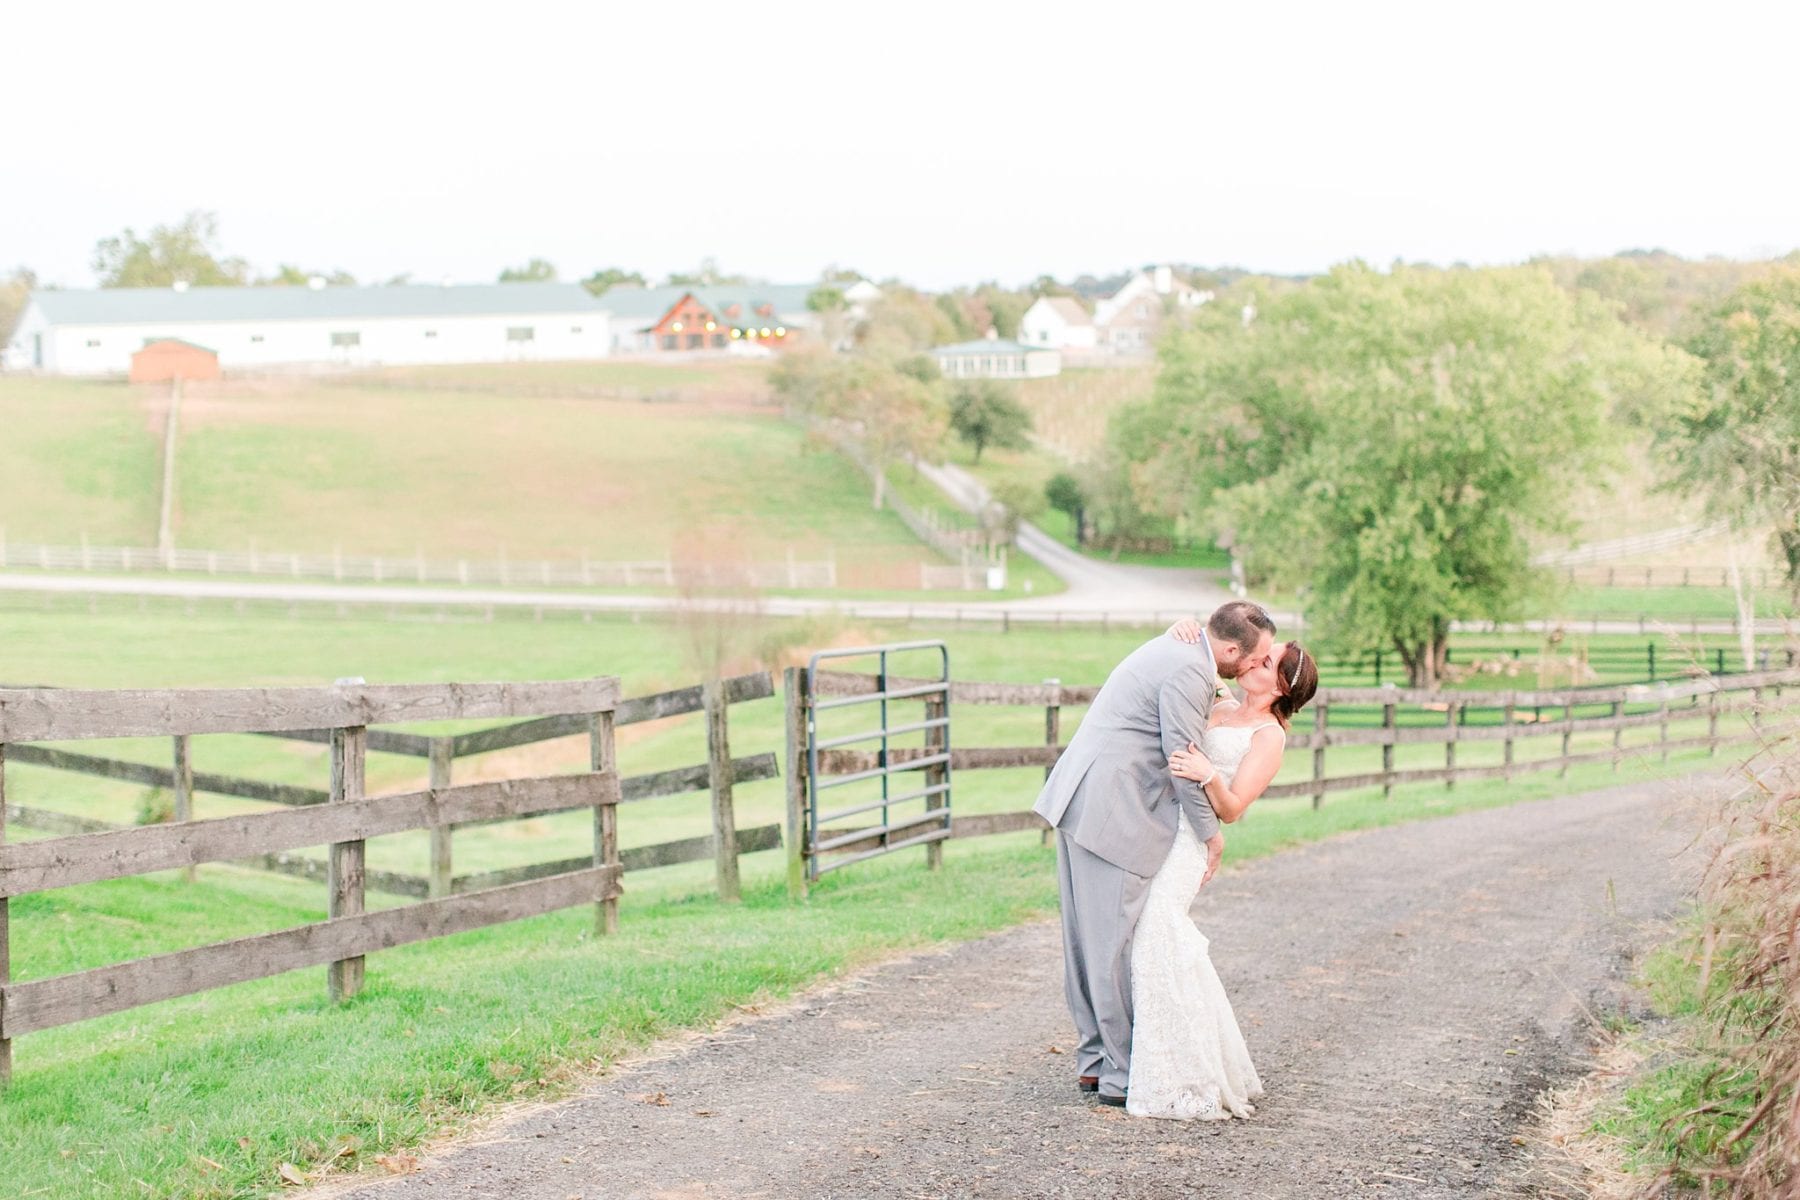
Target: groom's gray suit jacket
1111	792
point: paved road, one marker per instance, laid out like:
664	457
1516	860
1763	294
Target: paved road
1406	993
1042	610
1094	585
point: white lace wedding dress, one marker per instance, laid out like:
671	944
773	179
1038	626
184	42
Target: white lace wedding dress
1188	1059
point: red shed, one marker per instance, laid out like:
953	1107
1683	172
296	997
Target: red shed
171	358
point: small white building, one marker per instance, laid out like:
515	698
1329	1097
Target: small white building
1059	323
96	331
997	358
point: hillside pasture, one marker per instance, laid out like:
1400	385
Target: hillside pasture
313	465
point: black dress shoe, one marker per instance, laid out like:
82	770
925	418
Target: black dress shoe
1088	1083
1111	1101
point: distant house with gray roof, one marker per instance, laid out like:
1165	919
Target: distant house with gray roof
679	317
996	358
96	331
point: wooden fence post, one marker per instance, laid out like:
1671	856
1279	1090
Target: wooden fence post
936	742
603	756
184	790
442	757
1712	724
1390	732
5	942
349	750
1318	796
1052	734
1568	732
793	681
1662	726
1507	744
719	779
1451	708
1618	712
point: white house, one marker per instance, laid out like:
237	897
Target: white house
1129	320
1059	323
996	358
96	331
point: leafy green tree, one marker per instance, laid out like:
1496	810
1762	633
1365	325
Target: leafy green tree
288	275
538	270
904	321
983	414
824	300
707	274
1064	493
15	289
607	278
185	252
1389	444
883	415
1014	502
1737	441
1006	309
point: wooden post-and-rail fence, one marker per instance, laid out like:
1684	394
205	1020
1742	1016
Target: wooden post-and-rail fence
717	775
345	821
344	817
1386	717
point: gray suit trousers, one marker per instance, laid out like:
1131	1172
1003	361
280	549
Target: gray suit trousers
1101	904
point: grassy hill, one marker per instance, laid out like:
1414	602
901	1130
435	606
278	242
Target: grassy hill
476	462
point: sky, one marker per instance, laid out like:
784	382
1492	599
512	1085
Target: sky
941	143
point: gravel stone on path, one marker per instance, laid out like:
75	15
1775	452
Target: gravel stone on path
1406	993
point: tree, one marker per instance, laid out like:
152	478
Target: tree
983	414
825	299
707	274
607	278
185	252
881	414
1737	440
1389	444
538	270
904	321
288	275
1064	493
15	289
1014	502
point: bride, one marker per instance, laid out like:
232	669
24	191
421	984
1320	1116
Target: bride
1188	1059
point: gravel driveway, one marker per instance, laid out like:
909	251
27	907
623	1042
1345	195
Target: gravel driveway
1406	993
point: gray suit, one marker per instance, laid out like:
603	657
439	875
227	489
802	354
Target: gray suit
1112	801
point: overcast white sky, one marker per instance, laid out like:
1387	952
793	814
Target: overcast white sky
940	142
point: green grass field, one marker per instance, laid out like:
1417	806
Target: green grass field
310	465
208	1095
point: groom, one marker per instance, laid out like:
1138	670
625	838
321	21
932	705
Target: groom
1112	802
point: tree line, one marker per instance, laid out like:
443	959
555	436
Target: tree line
1387	447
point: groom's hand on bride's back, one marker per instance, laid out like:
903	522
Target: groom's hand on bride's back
1187	630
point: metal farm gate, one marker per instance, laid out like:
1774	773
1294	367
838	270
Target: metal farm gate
861	798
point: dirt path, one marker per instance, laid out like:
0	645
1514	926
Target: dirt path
1406	993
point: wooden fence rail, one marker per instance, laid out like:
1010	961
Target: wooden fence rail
718	775
345	822
1402	715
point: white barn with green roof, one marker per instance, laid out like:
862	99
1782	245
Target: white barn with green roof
96	331
997	358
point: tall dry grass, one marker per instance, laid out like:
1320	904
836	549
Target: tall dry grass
1742	1139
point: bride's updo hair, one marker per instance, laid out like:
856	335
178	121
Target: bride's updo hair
1297	678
